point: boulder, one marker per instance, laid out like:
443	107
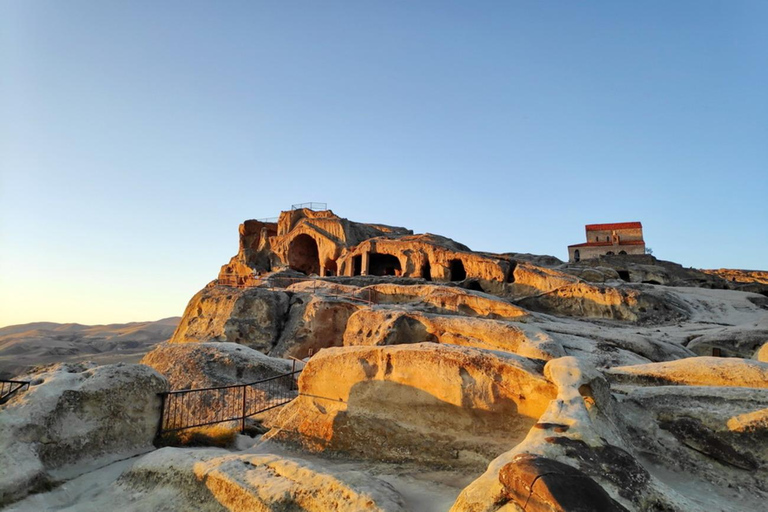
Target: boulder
76	415
250	316
541	484
217	480
204	365
741	341
391	327
436	404
695	371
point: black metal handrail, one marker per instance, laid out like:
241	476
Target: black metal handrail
189	408
10	387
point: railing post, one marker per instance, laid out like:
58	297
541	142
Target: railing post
162	415
242	425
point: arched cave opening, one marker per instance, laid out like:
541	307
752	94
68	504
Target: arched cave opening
623	275
457	270
383	265
303	255
623	253
330	268
426	271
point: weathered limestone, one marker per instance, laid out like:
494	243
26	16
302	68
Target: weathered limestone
204	365
577	449
392	327
251	316
550	291
717	433
444	299
217	480
436	404
695	371
739	341
76	414
315	322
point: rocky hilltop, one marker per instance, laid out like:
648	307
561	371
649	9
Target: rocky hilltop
434	378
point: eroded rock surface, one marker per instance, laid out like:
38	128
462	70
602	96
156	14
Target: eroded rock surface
436	404
217	480
250	316
76	414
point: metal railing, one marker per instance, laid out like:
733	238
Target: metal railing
318	207
269	220
189	408
8	388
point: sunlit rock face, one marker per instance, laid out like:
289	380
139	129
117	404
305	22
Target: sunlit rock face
425	402
554	386
217	480
76	414
251	316
203	365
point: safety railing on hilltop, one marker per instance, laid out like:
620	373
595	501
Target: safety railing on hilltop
8	388
190	408
318	207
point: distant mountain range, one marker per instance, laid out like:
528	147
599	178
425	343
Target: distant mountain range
25	346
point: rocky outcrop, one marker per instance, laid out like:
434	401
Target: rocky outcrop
550	291
250	316
76	414
217	480
738	341
436	404
316	321
204	365
577	451
393	327
695	371
443	299
717	433
755	281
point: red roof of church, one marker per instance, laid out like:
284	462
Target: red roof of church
599	244
617	225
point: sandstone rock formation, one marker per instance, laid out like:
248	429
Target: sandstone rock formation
556	386
432	403
251	316
75	414
204	365
216	480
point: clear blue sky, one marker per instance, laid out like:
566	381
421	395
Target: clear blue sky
136	136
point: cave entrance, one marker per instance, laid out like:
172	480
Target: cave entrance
303	255
623	275
576	255
330	268
357	265
426	271
383	265
457	270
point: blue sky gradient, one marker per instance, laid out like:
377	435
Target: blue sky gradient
136	136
